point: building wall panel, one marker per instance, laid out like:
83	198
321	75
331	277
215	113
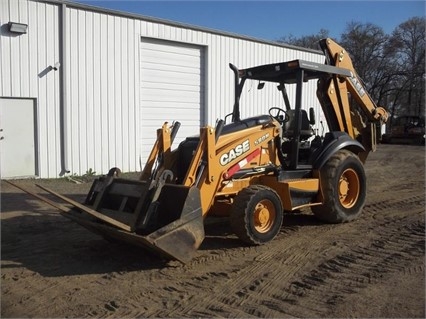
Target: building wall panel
102	84
25	73
102	102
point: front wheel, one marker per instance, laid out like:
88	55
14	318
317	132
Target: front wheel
256	215
343	185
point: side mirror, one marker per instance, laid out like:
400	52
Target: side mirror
311	116
260	85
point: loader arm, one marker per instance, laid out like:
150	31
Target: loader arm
248	149
334	92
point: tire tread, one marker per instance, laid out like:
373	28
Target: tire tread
239	219
331	210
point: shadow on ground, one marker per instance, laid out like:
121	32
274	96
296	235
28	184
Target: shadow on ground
37	237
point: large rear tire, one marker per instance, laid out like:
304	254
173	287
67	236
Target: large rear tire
343	185
256	215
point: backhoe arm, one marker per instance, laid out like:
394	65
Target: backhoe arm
338	57
345	117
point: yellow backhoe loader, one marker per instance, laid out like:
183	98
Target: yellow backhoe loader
251	169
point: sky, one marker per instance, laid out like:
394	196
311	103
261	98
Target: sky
271	20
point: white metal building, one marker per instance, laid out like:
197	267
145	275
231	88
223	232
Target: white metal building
86	88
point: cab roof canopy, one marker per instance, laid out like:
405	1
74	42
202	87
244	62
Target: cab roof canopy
286	72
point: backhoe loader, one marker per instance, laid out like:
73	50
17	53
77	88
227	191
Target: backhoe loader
250	170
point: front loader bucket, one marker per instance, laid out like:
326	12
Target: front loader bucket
177	232
172	242
171	226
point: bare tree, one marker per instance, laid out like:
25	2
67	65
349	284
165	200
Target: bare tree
366	44
391	66
408	44
307	41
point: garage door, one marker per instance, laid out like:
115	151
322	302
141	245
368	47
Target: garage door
172	89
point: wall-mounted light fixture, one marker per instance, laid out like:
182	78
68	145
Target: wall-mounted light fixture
16	27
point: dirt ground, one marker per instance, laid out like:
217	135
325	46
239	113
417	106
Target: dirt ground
372	267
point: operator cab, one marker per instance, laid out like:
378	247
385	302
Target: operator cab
304	139
299	144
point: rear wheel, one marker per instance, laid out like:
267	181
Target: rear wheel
343	185
257	214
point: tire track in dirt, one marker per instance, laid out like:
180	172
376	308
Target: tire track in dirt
327	284
305	272
353	270
393	202
253	277
307	288
248	280
94	284
218	289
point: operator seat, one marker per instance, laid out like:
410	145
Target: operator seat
306	129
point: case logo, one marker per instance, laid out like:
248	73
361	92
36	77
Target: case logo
235	152
358	86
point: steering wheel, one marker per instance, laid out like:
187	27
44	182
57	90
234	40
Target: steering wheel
279	114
